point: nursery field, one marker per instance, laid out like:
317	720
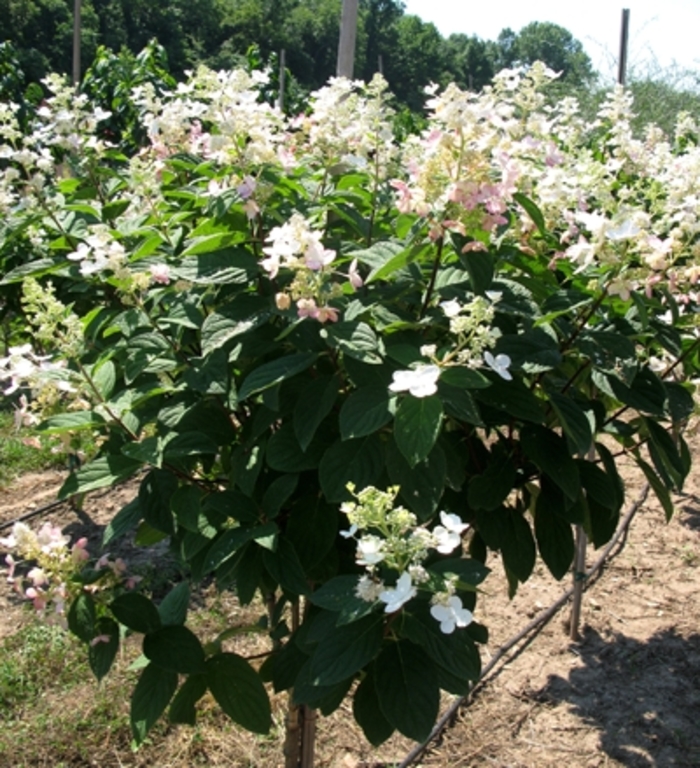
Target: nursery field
627	694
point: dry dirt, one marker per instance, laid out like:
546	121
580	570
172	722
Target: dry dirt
627	694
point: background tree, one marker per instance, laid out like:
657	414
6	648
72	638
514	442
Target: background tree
469	60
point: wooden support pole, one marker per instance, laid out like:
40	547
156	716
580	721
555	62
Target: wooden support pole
76	42
624	39
348	35
283	73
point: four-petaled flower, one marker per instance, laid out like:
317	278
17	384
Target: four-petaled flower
448	535
421	382
500	364
396	597
451	614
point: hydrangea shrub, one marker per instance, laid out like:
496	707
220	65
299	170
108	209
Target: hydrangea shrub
344	369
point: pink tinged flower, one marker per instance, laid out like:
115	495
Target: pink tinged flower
500	364
307	308
160	273
327	313
99	639
370	550
624	231
449	535
79	551
251	208
354	276
11	565
396	597
37	577
317	257
421	382
451	614
246	188
474	245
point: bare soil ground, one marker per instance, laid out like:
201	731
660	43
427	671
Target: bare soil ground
627	694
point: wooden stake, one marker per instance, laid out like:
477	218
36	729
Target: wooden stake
76	42
624	39
283	73
348	35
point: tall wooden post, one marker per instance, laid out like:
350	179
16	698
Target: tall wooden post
348	35
624	39
76	42
283	77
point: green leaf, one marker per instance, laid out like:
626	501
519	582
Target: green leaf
396	262
232	540
612	472
646	392
407	690
518	546
190	444
489	489
274	372
315	403
550	453
218	330
104	377
421	486
357	340
358	461
151	696
417	426
366	411
481	268
610	352
601	522
379	254
573	421
284	567
284	453
239	691
346	650
278	493
555	538
680	403
99	473
597	484
312	528
666	454
136	612
101	654
71	422
155	494
533	351
464	378
368	713
513	398
221	268
82	617
532	211
325	698
173	607
469	571
658	487
182	710
460	404
339	596
175	648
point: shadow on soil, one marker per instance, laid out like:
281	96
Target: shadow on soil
642	697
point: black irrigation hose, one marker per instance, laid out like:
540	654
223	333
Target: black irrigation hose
542	618
33	513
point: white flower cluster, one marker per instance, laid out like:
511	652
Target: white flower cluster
99	252
388	537
22	367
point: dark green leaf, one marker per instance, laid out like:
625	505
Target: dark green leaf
464	378
315	403
71	422
221	268
533	351
416	426
274	372
99	473
358	461
574	422
407	690
232	540
284	453
173	607
368	713
366	411
151	696
82	617
155	495
239	691
345	650
182	710
421	486
513	398
532	211
124	521
284	567
357	340
550	453
175	648
312	528
518	546
489	489
658	487
136	612
554	538
460	404
103	650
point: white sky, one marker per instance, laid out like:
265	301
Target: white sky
661	31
